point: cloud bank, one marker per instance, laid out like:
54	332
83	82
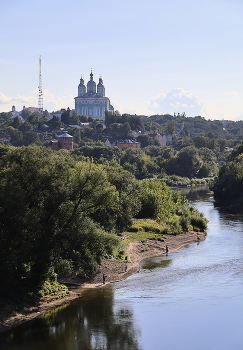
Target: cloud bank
123	109
51	102
231	93
179	101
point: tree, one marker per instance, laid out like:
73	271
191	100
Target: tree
200	141
65	117
26	113
99	128
111	118
16	123
16	136
189	161
51	217
125	130
119	217
170	127
145	140
31	137
228	187
83	118
46	113
77	135
54	123
33	118
26	126
74	119
222	144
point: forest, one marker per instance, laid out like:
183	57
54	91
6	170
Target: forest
199	147
59	210
228	186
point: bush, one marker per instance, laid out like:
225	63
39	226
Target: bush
52	288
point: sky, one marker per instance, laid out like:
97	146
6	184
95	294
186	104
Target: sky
155	57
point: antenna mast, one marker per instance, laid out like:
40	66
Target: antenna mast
40	99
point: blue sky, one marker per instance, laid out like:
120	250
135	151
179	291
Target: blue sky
154	56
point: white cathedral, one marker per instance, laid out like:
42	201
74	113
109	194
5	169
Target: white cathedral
93	101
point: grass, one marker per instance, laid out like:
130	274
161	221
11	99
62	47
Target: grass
143	229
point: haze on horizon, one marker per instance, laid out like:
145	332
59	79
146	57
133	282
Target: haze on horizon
155	57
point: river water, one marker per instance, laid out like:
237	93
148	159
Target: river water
191	299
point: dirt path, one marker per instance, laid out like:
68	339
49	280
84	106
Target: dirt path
10	316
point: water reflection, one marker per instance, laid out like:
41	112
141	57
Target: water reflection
157	262
199	193
89	323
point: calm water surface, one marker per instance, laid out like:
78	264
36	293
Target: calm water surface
191	299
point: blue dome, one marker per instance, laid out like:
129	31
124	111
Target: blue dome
91	86
81	82
101	88
81	88
100	83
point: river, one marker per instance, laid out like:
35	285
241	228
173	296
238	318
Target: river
191	299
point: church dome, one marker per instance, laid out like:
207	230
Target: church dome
81	88
100	88
91	86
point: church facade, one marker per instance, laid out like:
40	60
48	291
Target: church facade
92	102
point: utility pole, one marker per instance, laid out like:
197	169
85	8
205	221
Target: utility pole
40	99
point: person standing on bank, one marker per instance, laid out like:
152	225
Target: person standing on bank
166	249
125	266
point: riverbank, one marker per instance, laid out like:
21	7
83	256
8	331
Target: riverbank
11	316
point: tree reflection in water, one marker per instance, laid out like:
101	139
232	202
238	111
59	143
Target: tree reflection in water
92	322
198	193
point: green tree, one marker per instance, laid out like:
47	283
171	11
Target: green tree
189	161
200	141
33	118
26	126
16	123
31	137
170	127
126	129
50	220
74	119
16	136
25	113
54	123
145	140
77	135
65	117
119	217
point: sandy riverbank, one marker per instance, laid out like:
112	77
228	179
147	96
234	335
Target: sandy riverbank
10	316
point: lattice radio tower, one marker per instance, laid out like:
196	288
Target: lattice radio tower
40	99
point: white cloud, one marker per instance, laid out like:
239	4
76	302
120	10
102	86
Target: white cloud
30	101
123	109
180	101
51	102
4	99
240	117
231	93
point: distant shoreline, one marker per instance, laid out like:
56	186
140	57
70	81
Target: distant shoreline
11	316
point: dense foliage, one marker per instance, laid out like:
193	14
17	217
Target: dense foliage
53	211
170	208
155	161
59	210
200	146
228	187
